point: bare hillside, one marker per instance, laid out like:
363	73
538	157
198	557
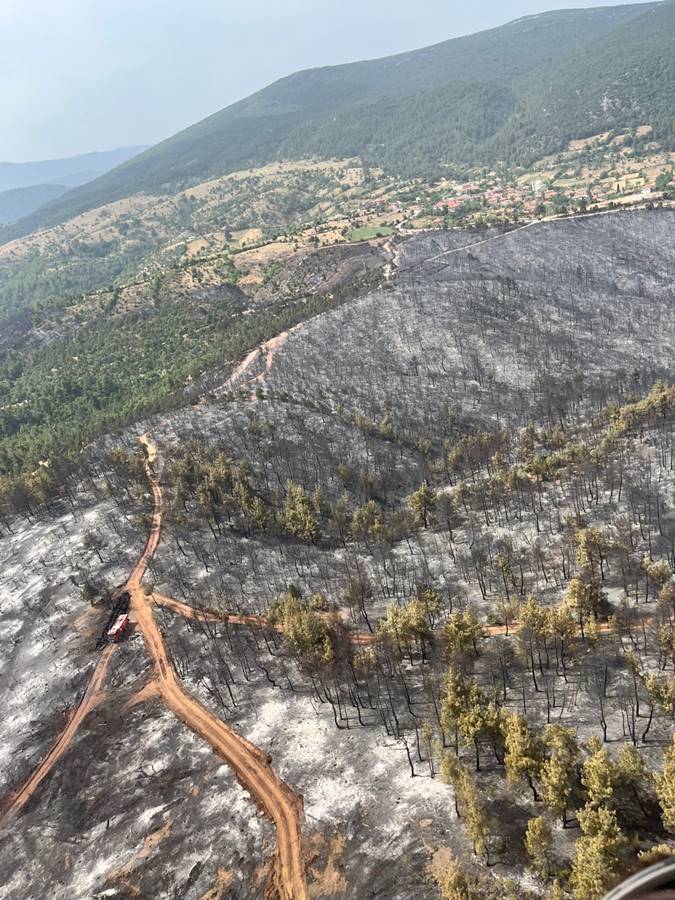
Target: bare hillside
389	545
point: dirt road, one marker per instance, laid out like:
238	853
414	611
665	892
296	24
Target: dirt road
360	638
241	377
355	637
200	615
92	697
505	234
94	691
251	765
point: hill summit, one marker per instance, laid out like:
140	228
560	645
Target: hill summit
512	93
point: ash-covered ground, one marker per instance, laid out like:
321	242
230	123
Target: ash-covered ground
546	326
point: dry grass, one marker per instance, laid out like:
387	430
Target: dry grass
582	143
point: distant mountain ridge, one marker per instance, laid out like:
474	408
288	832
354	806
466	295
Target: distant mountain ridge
512	93
69	172
22	201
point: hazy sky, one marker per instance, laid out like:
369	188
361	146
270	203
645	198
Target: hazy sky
81	75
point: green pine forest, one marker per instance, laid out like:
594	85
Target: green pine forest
512	93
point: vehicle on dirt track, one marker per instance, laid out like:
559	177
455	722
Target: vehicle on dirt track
119	627
115	628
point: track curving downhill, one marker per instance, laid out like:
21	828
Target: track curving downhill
93	695
251	766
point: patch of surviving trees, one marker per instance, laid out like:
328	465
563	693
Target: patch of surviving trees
473	552
526	641
486	575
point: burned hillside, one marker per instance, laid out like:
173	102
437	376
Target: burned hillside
429	533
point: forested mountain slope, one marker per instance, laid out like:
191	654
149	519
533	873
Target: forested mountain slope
507	93
621	80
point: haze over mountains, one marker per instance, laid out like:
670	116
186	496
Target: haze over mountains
24	187
22	201
512	93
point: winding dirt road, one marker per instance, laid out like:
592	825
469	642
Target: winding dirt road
200	615
193	614
365	638
92	697
251	765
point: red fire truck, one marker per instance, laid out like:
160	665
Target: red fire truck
119	627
